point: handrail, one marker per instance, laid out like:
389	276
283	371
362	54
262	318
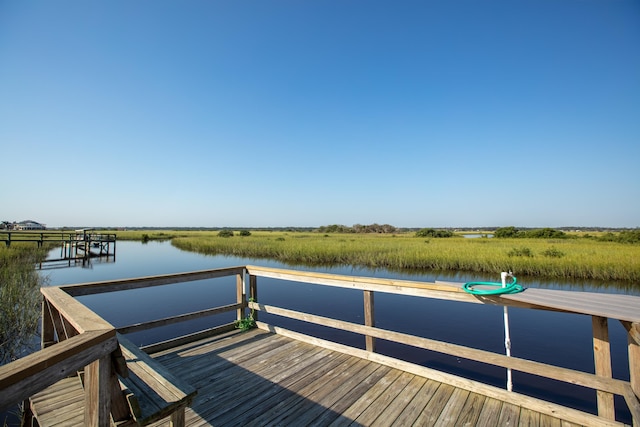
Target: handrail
24	377
77	314
93	288
358	282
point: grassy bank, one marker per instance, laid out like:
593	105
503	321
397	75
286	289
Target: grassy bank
561	258
19	298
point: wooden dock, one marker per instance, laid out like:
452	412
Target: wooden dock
274	376
75	246
258	378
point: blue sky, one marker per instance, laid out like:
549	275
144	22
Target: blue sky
308	113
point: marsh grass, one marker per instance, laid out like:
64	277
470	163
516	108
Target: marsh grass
19	299
580	259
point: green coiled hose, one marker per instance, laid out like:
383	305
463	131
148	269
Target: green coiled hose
510	288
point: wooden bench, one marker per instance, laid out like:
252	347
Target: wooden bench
147	393
151	390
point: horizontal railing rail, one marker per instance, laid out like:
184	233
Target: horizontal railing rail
148	281
144	326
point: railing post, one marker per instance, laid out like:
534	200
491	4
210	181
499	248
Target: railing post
633	340
369	320
253	292
97	393
634	360
240	295
602	360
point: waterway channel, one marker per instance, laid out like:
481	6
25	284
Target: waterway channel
555	338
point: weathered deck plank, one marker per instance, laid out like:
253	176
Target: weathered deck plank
415	406
379	405
435	406
471	410
62	404
510	415
400	402
258	378
490	413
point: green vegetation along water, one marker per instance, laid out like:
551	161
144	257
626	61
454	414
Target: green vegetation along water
562	258
19	307
19	298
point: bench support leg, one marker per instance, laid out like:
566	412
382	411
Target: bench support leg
177	418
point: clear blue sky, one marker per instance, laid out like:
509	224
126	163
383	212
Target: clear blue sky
308	113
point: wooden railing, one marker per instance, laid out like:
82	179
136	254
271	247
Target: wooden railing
602	381
86	342
83	338
145	282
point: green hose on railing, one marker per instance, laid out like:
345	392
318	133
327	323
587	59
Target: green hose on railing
510	288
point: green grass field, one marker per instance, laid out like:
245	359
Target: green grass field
577	258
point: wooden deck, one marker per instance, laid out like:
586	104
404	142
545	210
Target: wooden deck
275	376
258	378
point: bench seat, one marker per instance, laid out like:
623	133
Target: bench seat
151	391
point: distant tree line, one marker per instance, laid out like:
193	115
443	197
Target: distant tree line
626	236
542	233
432	232
230	233
383	229
358	228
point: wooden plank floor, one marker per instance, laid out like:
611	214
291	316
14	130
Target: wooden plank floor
257	378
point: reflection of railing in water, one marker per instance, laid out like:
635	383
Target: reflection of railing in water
75	336
79	246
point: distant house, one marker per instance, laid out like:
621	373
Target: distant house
29	225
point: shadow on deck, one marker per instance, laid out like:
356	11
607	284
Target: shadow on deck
257	378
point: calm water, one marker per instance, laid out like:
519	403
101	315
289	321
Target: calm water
555	338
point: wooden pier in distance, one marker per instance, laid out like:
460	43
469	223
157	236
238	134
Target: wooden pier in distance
75	246
274	376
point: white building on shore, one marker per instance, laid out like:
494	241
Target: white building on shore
24	225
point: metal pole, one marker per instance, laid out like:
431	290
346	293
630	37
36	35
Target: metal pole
507	336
